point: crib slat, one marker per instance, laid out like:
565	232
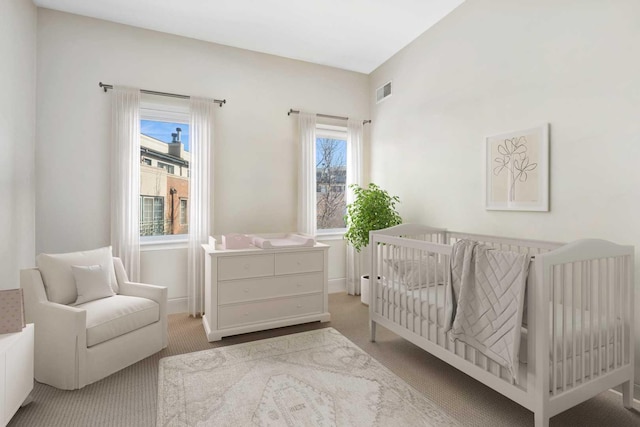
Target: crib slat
607	325
443	262
419	314
628	276
621	309
428	302
554	347
563	289
583	317
599	324
616	315
623	319
592	286
409	310
573	321
389	290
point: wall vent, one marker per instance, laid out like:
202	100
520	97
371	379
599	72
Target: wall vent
383	92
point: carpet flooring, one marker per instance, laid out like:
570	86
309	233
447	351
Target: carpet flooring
312	378
129	397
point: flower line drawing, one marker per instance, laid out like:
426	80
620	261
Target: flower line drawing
515	161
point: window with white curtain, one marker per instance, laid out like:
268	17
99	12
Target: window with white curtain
331	178
164	168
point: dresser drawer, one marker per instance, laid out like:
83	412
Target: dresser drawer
260	311
268	287
299	262
243	267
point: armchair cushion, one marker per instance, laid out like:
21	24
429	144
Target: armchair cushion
92	282
108	318
58	277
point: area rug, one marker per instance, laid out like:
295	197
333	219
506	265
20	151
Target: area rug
315	378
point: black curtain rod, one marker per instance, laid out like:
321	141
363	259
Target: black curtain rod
153	92
328	116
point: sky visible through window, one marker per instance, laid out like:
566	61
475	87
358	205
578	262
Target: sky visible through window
163	130
339	154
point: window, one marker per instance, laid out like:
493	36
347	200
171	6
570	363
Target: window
184	218
169	168
164	142
331	178
152	216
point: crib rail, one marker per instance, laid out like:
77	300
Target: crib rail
526	246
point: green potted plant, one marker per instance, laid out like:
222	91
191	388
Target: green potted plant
372	209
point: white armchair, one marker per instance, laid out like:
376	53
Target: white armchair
78	345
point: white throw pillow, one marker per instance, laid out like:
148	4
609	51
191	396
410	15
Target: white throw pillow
58	277
92	282
415	274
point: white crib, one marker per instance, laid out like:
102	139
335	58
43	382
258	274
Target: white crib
579	311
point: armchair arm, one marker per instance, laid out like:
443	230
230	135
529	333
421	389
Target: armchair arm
61	318
45	314
158	294
61	330
60	344
60	334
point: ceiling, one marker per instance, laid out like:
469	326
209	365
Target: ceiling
357	35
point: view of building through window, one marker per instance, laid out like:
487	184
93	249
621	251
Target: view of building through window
164	178
331	178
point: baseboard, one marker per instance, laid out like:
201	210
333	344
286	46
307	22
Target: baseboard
337	285
177	305
636	401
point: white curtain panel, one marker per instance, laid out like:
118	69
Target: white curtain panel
200	187
307	174
354	176
125	178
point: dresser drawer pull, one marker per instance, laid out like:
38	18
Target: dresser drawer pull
246	291
298	306
299	285
247	267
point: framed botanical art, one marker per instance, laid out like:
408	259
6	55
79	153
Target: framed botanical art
517	170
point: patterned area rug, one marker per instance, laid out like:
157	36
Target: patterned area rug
315	378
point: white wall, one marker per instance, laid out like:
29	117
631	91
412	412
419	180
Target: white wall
18	20
255	152
498	65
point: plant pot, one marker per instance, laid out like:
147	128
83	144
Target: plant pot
365	288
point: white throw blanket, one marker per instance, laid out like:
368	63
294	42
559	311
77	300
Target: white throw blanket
487	291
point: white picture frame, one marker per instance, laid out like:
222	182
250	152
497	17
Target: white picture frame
517	170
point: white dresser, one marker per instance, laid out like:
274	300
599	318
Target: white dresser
249	290
16	371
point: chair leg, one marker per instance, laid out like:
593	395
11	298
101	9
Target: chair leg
541	419
627	394
372	329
